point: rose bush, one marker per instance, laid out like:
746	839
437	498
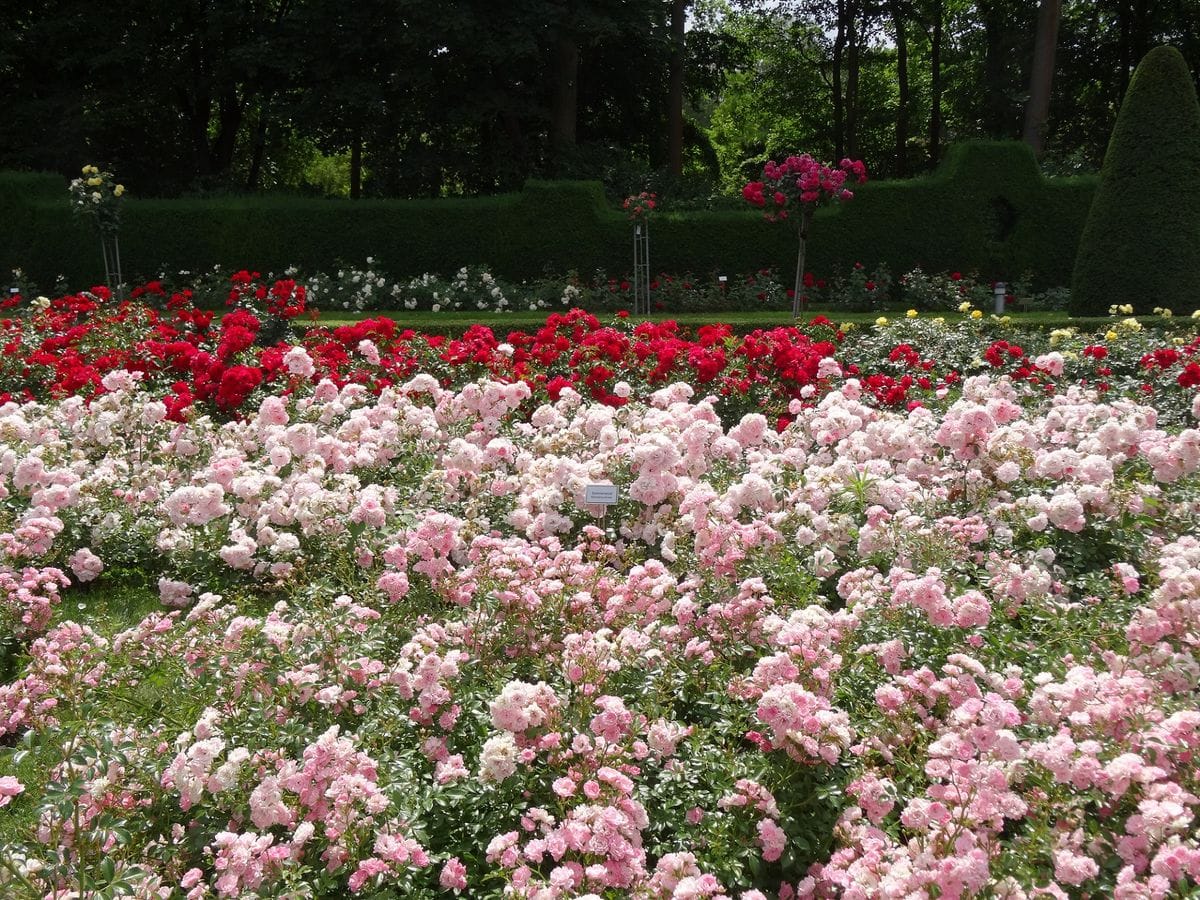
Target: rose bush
941	646
195	360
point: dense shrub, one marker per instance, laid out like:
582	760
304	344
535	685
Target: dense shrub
987	210
1141	244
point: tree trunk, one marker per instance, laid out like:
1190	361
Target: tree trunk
1140	38
852	73
229	124
197	111
356	148
995	102
901	165
839	109
935	86
566	93
1123	50
260	144
799	302
675	95
1041	77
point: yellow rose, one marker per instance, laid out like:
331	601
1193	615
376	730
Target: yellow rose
1058	335
976	314
881	321
92	182
912	313
118	190
939	321
1110	335
1126	309
89	170
965	306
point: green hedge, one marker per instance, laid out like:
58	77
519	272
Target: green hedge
1141	243
987	209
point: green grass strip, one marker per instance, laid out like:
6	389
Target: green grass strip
457	322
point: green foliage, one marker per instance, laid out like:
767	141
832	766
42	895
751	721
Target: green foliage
1141	244
329	175
859	290
987	210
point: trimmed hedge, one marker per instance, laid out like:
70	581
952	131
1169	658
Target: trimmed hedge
987	209
1141	244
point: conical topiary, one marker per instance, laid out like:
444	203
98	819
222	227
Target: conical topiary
1141	243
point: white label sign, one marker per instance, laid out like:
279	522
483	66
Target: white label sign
600	494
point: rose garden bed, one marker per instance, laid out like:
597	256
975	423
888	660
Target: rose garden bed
909	610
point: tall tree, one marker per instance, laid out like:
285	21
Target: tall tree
898	12
842	36
935	82
679	10
1041	76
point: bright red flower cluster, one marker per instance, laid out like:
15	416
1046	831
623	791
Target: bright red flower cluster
190	360
639	206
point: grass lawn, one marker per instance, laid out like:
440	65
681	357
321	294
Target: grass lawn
456	322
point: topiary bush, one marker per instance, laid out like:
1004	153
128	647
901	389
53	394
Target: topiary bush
1141	242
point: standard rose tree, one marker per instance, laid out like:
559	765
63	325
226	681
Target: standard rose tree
97	197
796	188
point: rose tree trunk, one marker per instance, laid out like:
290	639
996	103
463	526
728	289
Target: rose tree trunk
805	221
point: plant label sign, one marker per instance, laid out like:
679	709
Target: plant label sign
600	494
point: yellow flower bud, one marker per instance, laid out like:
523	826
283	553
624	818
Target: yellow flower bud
912	314
976	314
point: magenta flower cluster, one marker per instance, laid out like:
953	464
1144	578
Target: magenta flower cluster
802	181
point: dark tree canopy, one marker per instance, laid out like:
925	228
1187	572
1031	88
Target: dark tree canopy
410	98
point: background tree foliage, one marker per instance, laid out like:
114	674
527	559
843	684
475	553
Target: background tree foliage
408	98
